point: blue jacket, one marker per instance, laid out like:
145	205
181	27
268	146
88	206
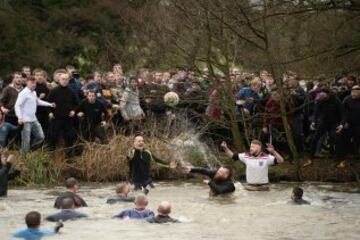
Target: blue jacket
75	86
135	214
244	94
33	234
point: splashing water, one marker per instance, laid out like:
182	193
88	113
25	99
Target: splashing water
189	144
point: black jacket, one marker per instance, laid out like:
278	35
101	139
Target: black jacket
352	111
79	202
328	111
162	219
93	112
226	186
42	88
140	163
65	101
6	174
64	215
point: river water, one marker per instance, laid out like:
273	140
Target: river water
245	215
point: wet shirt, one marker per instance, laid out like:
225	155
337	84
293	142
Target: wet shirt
257	167
6	174
120	199
64	215
162	219
33	234
299	201
133	213
217	187
79	202
140	164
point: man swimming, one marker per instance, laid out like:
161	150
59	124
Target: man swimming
72	187
164	210
67	212
296	196
219	181
139	212
122	192
33	221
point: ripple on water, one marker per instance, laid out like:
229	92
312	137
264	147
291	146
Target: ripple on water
242	215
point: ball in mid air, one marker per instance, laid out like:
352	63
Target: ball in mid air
171	99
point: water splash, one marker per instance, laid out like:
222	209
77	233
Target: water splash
187	144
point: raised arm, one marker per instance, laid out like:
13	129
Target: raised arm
271	149
227	150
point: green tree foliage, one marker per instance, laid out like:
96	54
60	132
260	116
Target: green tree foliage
51	34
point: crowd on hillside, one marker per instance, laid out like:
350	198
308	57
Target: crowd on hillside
323	113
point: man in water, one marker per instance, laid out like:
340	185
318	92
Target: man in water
6	173
257	164
33	221
72	186
140	163
67	212
297	195
122	192
139	212
164	210
220	181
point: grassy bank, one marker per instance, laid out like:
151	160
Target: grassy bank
103	163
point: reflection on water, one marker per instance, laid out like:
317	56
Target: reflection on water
244	215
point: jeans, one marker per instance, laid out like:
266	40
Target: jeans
32	135
4	133
335	139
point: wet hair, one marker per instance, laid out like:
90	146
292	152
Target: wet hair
298	192
71	182
164	208
121	187
230	171
256	142
141	200
33	219
67	203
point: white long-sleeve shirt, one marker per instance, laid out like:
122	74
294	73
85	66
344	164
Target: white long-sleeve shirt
26	104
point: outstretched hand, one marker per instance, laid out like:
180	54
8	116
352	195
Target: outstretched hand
58	226
206	181
270	148
173	164
224	145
